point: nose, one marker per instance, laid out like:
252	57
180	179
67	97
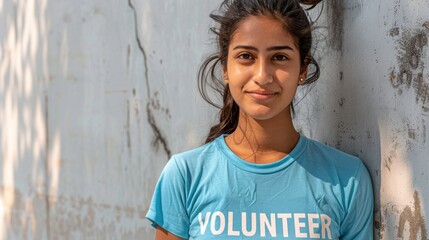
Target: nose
263	75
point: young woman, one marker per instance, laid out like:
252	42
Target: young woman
257	177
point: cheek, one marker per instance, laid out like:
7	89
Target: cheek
236	72
237	79
287	79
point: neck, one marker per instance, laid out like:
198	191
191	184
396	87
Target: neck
263	141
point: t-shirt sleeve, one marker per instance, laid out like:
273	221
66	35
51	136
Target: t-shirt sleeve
358	223
168	206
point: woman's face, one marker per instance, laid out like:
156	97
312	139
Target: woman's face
263	68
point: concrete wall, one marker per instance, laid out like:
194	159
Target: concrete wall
373	101
95	96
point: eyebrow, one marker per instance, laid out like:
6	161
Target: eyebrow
274	48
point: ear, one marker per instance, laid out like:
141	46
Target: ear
302	75
304	71
225	76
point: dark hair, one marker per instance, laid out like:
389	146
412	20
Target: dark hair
232	12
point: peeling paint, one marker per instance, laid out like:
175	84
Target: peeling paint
412	44
415	220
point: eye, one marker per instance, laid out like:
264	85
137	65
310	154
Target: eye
280	57
245	56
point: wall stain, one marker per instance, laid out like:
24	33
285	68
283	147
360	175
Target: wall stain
411	132
426	25
159	138
82	216
368	134
412	45
137	108
47	165
389	159
70	217
157	106
341	131
379	225
394	31
128	56
341	101
415	132
27	217
335	11
127	128
415	220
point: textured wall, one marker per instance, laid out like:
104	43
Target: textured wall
96	95
373	101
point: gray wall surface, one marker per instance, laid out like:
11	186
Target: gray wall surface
95	96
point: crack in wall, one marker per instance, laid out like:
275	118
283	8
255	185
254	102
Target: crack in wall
140	46
159	138
158	135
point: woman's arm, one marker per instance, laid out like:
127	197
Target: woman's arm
162	234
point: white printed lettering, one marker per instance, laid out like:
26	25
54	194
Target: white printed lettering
252	231
312	225
326	223
203	225
231	231
299	225
306	225
284	217
271	225
221	223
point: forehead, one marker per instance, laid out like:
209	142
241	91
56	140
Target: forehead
262	30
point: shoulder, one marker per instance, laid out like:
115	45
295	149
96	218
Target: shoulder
330	163
193	156
194	160
346	174
331	156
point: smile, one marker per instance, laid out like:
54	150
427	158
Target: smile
261	95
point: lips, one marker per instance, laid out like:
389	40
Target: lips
261	94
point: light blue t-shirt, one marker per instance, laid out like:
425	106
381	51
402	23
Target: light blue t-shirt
315	192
